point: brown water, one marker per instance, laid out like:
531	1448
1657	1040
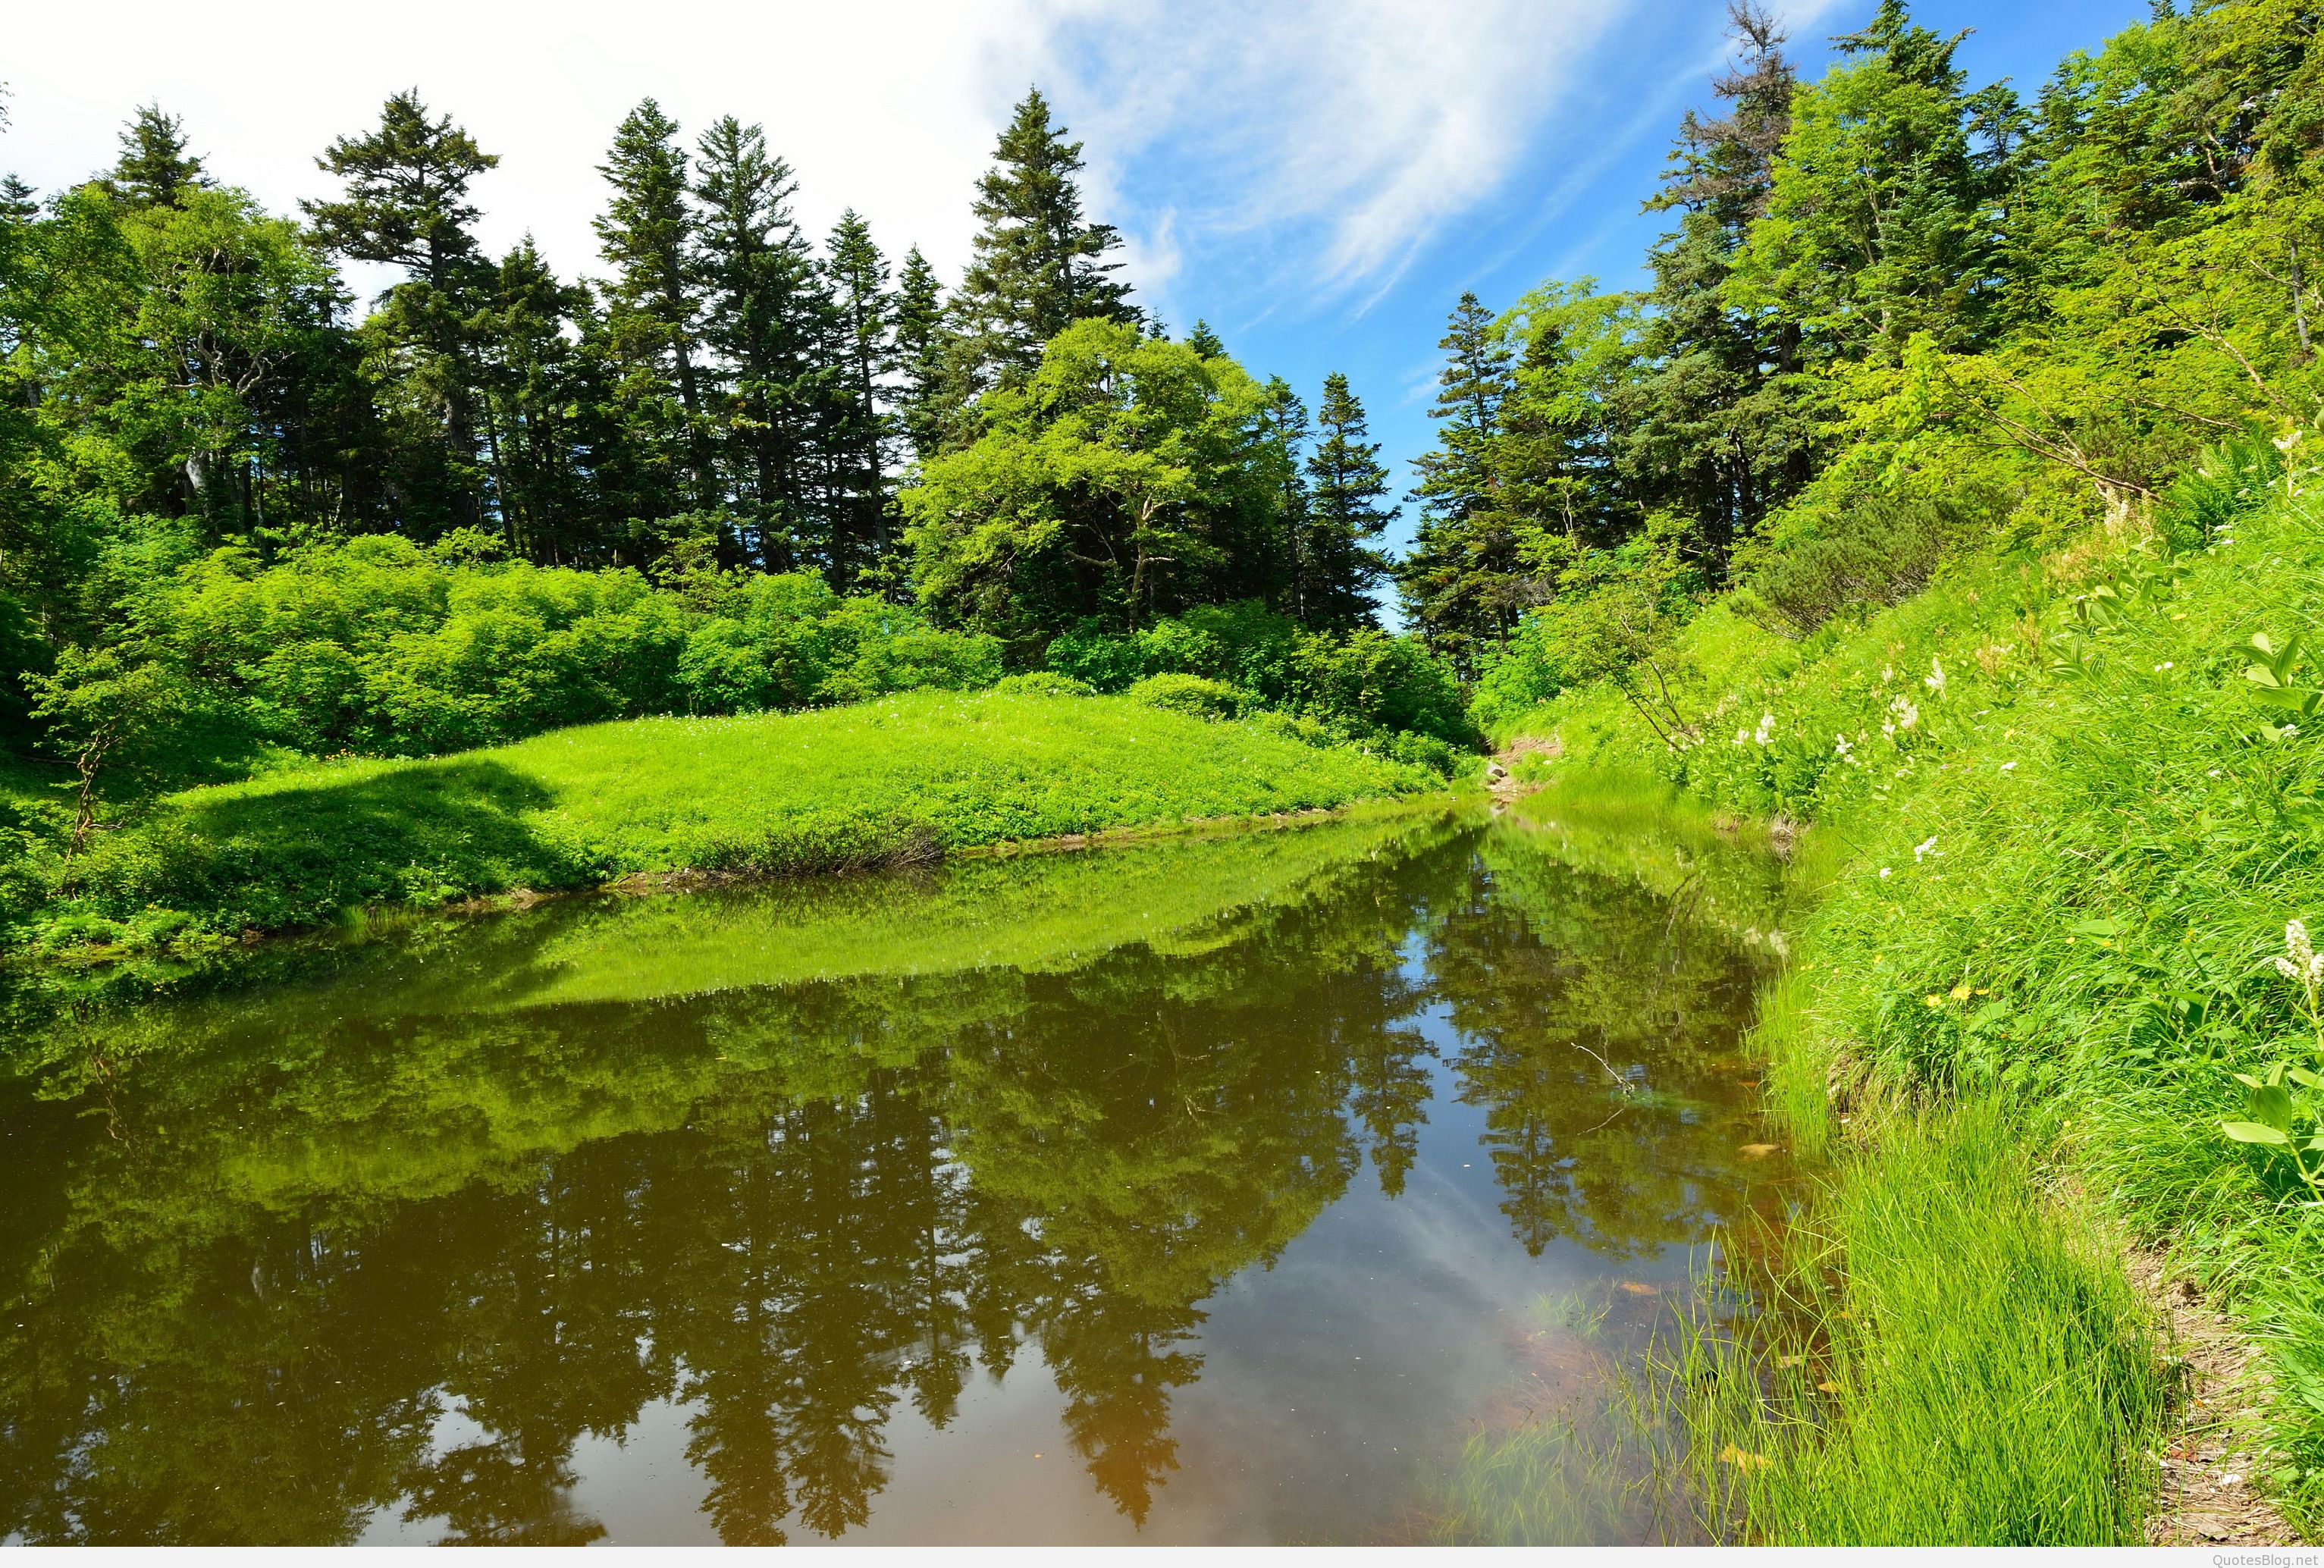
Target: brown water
1205	1191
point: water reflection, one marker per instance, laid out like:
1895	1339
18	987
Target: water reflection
748	1199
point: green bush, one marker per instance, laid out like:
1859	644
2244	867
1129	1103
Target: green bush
1869	551
1188	693
376	646
1042	683
1364	682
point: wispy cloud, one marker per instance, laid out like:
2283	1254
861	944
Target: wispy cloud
1331	137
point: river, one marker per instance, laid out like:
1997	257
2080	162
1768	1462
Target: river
1226	1189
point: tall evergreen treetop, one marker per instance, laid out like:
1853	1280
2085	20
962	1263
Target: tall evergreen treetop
1341	562
647	233
407	192
1041	264
1720	165
923	344
154	170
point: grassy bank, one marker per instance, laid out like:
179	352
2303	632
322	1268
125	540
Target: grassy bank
909	778
2057	842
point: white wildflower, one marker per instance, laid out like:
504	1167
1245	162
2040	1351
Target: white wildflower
1742	737
1884	873
1907	715
2008	767
1935	679
1766	729
1839	747
1922	849
2302	957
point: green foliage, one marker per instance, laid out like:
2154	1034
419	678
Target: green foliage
1187	694
1358	684
1121	481
2074	802
1857	554
378	647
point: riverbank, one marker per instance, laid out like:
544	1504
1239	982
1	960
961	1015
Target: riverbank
2057	842
909	778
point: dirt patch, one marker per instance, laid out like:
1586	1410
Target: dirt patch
2209	1494
1501	779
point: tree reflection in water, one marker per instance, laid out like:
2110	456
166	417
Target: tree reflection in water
400	1230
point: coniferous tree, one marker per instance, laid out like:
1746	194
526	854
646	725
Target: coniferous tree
926	402
764	316
1041	264
647	233
1459	585
545	400
865	351
1203	341
1716	430
154	168
1341	562
406	205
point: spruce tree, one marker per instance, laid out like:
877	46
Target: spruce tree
1342	562
154	168
1041	264
406	204
1203	341
765	317
925	404
864	353
1459	585
1717	431
645	234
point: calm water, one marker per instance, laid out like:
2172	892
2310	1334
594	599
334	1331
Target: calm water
1212	1191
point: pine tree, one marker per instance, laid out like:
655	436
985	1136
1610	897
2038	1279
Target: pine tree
406	205
765	317
865	352
154	168
1203	341
1039	265
926	404
1341	562
1717	431
1461	584
645	234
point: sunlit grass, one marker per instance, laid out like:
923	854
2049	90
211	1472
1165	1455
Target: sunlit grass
907	779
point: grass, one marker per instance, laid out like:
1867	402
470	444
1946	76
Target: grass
907	779
1873	1403
2058	894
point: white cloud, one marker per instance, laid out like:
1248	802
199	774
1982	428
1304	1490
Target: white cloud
1339	134
892	107
1321	144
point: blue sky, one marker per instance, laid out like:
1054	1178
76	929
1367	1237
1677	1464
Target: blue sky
1318	178
1584	149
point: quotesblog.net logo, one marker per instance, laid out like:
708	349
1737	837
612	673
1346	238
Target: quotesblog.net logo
2266	1559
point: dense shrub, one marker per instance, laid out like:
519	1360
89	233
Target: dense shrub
1865	553
1362	684
1188	693
1042	683
378	646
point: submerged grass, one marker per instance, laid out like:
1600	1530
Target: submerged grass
906	778
1872	1401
